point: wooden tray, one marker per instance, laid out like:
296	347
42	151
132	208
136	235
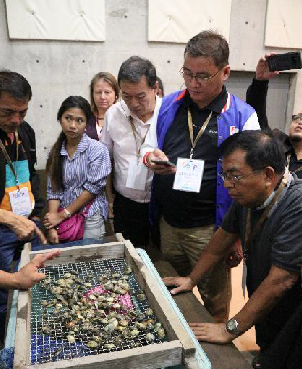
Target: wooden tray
179	349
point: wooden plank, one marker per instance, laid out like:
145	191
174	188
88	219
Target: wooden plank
147	357
22	340
78	254
159	302
220	356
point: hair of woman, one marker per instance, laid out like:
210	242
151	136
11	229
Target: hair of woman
54	162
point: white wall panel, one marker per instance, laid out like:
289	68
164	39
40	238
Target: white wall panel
177	20
79	20
283	24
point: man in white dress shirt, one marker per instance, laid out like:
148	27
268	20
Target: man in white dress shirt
126	125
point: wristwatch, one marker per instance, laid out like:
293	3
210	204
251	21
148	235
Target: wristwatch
232	327
67	213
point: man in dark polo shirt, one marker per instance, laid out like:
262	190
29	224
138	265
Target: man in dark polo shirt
266	216
191	201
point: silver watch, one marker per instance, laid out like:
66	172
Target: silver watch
232	327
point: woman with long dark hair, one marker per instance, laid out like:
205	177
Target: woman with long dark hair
77	169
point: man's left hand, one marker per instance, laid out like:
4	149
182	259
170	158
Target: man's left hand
212	332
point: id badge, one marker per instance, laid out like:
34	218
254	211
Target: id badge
137	175
188	175
20	202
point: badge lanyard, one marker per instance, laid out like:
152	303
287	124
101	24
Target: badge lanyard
136	136
201	131
8	158
249	234
288	161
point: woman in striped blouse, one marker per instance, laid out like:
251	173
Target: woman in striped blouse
77	169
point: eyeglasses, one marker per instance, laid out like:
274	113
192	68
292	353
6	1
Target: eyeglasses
200	77
297	118
235	178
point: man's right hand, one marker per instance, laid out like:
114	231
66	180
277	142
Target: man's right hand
262	70
182	284
157	168
24	228
29	275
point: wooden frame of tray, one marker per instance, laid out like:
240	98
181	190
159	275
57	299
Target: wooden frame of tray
179	349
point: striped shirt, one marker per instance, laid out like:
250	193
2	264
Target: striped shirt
87	170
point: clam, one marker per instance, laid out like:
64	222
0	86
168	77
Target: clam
149	337
149	312
141	326
71	338
134	332
109	346
44	303
110	327
157	326
97	338
141	297
123	323
92	344
161	333
46	329
108	285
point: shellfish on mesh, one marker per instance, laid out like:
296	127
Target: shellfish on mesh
101	316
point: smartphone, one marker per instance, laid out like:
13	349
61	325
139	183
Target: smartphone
285	61
167	163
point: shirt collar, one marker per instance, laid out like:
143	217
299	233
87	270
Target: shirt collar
216	105
126	111
82	146
271	196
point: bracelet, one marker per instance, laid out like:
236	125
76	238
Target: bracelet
145	159
67	213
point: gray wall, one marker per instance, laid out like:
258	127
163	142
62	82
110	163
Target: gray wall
58	69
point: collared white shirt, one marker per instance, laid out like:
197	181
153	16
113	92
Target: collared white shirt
118	137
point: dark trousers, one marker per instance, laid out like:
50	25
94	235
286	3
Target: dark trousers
10	249
131	218
286	352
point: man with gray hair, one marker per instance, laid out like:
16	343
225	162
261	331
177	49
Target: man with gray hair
189	200
126	125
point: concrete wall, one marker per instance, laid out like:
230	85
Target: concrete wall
58	69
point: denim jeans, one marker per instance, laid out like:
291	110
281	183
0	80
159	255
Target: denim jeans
10	249
94	227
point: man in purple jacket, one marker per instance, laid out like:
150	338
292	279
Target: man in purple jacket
190	200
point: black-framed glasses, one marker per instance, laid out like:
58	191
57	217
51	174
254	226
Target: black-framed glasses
297	118
199	77
233	178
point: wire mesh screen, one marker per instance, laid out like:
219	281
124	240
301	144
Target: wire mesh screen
89	308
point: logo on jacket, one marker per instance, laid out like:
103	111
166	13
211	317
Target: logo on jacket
233	130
